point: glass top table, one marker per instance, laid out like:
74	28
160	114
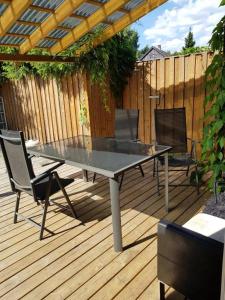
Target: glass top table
108	157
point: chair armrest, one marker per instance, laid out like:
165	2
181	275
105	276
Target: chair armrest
185	257
45	174
193	148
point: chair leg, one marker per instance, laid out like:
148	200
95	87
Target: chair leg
121	181
17	206
94	177
187	172
196	178
65	195
141	170
45	209
157	176
162	291
215	191
153	168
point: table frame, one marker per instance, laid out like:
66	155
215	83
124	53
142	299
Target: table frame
114	188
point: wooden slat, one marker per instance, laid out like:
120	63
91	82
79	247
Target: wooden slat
179	82
189	93
147	102
140	101
161	71
198	108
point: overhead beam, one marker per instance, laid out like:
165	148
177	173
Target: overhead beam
82	18
84	27
14	10
36	58
51	23
96	3
126	20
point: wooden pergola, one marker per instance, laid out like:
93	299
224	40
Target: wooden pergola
57	24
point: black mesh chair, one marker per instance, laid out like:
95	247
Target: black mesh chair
126	124
170	129
189	262
126	129
23	179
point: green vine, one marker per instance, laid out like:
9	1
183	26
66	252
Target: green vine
112	62
213	151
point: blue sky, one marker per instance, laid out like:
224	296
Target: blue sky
169	24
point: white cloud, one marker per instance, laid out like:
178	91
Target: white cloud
171	27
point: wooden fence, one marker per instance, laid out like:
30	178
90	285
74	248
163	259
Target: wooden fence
50	110
46	109
179	82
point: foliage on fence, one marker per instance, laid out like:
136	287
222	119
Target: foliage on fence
214	133
113	60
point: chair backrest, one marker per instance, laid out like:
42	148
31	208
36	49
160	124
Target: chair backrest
18	165
189	262
126	124
170	129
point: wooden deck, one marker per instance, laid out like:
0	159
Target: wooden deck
78	261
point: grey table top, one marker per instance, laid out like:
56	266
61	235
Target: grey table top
106	156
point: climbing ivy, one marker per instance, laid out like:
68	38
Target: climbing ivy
112	62
213	151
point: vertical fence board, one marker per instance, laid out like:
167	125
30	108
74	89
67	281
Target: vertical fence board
189	93
147	103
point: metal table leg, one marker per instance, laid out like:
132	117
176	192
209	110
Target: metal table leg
85	175
166	183
116	218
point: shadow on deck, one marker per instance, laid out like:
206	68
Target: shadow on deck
78	261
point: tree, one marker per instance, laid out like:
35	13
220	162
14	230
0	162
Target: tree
192	50
141	52
189	40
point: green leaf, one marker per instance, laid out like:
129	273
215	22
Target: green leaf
222	142
220	156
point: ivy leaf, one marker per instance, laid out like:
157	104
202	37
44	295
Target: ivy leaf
222	142
217	126
220	156
222	3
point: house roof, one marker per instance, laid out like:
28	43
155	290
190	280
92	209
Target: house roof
160	51
57	24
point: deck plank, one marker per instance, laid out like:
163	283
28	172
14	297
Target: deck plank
78	261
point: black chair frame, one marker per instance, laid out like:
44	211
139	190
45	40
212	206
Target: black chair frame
188	262
129	137
17	188
189	160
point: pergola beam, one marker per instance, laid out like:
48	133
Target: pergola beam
82	18
14	10
36	58
84	27
100	4
125	21
51	23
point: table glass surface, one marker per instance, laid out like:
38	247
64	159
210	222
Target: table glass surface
102	153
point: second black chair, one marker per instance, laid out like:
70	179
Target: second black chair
23	179
126	129
170	129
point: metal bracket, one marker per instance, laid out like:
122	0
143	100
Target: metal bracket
157	98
